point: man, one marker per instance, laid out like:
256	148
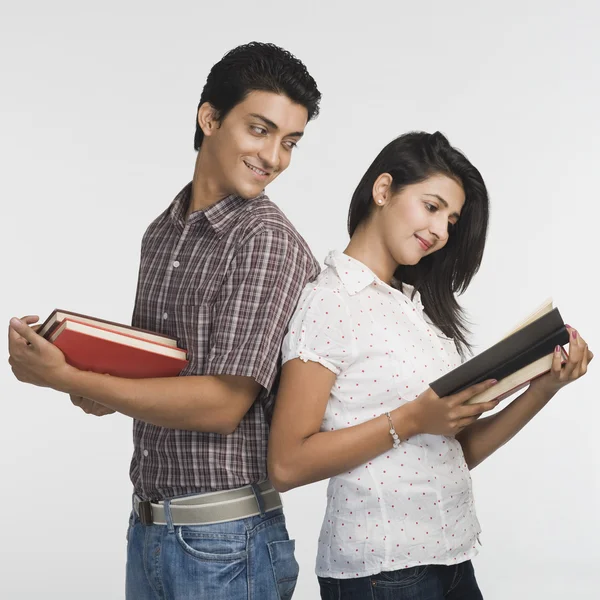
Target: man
221	270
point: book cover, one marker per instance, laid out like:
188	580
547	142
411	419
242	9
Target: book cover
99	350
521	348
518	380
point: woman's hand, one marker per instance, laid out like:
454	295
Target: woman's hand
449	415
560	375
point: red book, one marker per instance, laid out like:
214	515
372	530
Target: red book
91	348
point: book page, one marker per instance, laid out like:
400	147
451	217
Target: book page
540	311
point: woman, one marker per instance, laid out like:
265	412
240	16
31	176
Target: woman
378	324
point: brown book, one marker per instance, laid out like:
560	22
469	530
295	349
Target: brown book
59	315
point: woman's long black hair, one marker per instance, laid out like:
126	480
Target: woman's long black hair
412	158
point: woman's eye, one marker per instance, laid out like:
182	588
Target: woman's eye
431	207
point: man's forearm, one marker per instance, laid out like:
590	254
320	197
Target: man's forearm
192	402
485	436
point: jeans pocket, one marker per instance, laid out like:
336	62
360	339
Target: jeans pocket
212	546
329	588
130	524
400	578
285	566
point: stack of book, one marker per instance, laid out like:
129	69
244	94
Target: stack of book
93	344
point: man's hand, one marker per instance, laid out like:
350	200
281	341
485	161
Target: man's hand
33	359
91	407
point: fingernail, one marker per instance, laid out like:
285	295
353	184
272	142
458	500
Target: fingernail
14	321
567	325
574	334
494	381
557	349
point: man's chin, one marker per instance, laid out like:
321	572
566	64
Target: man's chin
249	192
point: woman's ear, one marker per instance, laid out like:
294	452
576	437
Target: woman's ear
382	189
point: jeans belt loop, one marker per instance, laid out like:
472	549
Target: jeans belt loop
145	512
259	499
168	517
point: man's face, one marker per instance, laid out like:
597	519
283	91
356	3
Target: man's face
254	142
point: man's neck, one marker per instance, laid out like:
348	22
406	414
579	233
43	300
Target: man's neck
205	190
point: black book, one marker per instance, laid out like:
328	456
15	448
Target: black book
535	340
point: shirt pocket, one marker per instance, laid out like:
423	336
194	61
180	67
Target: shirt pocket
407	375
192	326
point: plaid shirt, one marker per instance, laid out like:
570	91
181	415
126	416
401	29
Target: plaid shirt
225	284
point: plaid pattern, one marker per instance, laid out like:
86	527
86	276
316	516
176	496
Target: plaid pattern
225	284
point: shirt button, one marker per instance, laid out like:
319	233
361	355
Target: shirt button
165	316
176	263
145	452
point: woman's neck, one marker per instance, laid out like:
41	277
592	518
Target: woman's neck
369	249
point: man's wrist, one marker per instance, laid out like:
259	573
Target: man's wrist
65	380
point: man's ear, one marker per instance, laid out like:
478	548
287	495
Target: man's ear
207	118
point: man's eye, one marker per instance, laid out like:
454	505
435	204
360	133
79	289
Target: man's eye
258	130
291	145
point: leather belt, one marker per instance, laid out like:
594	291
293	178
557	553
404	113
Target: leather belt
210	508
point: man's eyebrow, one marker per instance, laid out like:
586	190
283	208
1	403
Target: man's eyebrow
274	126
454	214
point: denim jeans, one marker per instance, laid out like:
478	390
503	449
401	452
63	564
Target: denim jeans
247	559
427	582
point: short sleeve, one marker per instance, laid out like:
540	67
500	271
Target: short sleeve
321	330
257	299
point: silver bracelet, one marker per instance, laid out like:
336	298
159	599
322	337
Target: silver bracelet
393	431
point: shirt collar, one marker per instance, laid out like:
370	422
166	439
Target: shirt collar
220	216
356	276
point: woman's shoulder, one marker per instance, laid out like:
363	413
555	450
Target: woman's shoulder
325	288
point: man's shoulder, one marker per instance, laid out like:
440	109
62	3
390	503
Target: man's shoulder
263	216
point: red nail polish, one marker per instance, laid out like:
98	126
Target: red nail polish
557	349
574	334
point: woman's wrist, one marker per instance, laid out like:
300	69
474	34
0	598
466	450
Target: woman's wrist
406	420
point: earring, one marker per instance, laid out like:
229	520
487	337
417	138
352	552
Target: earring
379	201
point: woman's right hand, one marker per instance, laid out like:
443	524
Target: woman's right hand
449	415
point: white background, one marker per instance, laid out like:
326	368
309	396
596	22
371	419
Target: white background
97	117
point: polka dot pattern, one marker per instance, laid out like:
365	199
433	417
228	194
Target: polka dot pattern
409	506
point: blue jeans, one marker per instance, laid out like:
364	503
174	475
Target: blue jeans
427	582
247	559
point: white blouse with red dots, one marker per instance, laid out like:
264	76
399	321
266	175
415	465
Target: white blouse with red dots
409	506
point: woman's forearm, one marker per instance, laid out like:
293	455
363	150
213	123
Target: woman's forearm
329	453
482	438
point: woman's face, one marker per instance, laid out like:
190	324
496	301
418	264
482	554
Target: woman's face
418	219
